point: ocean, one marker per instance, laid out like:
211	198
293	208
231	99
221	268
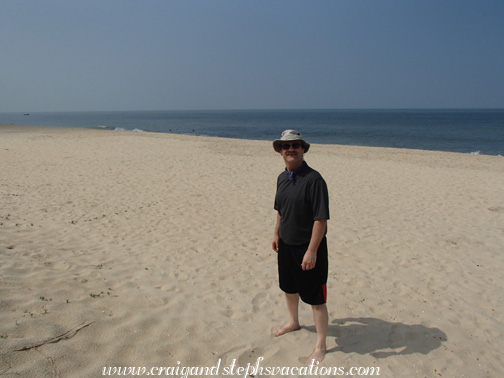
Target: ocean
476	131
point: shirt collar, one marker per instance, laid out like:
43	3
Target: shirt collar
292	174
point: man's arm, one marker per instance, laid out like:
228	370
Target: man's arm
276	236
318	232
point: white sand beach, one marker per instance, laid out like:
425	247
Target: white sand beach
150	250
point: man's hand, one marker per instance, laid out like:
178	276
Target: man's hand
309	260
276	236
318	232
275	243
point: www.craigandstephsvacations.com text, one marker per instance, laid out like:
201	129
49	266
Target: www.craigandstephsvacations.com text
251	370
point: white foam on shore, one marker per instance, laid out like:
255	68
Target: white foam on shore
134	130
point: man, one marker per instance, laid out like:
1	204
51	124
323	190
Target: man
302	204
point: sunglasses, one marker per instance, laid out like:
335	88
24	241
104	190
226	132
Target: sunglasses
294	145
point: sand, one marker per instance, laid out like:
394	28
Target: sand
154	250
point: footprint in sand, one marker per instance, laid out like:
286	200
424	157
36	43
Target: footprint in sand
60	265
496	209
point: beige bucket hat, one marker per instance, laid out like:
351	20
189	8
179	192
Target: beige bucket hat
289	136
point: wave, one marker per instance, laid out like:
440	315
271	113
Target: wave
105	127
134	130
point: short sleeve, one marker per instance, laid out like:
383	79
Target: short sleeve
319	199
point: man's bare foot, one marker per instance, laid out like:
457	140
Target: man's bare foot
282	330
317	356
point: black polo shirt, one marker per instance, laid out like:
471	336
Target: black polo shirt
301	199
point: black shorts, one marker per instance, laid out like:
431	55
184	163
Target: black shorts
309	284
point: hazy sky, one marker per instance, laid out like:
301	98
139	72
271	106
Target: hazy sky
250	54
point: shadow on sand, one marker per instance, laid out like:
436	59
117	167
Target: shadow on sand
382	339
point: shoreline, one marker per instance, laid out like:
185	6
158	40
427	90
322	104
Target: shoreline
162	243
12	128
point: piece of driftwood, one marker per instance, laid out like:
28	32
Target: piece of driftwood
66	335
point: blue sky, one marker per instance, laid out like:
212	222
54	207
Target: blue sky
263	54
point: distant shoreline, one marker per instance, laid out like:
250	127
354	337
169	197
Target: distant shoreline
455	130
14	128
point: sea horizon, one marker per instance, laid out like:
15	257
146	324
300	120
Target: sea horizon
256	109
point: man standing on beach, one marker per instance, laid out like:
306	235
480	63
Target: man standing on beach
302	204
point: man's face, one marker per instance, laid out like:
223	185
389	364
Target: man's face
292	153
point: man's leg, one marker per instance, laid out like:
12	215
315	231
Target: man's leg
292	306
321	319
